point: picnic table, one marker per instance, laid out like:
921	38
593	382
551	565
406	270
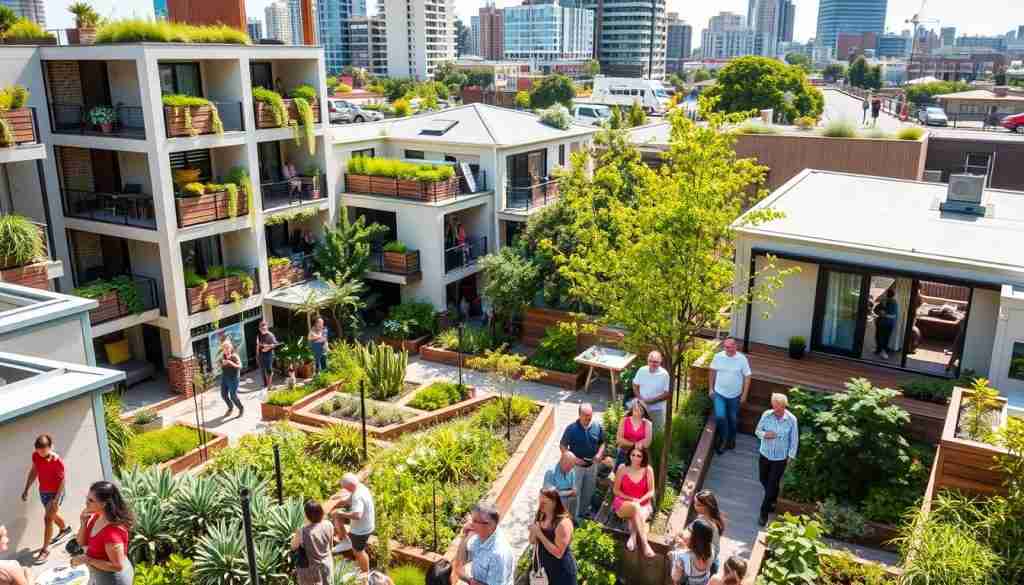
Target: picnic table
609	359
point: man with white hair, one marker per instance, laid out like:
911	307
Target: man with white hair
651	384
779	436
358	509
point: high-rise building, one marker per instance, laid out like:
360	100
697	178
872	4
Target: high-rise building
159	9
727	36
751	13
788	22
849	16
492	32
34	10
1020	32
227	12
894	46
333	17
255	28
295	17
544	33
368	44
279	22
947	34
980	42
680	38
769	24
421	36
630	37
474	34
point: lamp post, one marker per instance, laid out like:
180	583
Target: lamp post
250	546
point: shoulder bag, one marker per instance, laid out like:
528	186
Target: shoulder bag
537	574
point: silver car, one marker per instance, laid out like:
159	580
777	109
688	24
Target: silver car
932	116
343	112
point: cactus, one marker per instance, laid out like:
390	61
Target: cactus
385	369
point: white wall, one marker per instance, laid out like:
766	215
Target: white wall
793	311
1009	331
25	193
223	80
981	328
74	437
295	72
124	83
58	340
145	259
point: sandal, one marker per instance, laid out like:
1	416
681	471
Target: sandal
42	556
631	543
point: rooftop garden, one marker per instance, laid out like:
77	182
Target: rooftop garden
162	31
24	31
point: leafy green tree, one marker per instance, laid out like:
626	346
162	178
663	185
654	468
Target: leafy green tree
617	121
833	72
654	249
553	89
873	78
676	82
925	92
799	60
756	83
511	282
637	115
857	74
701	75
523	100
344	252
7	18
482	79
396	88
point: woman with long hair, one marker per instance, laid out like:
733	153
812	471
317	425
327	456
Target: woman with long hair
692	565
634	493
733	573
230	369
551	533
104	534
316	538
635	430
706	505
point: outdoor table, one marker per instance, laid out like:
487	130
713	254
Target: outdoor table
64	576
598	357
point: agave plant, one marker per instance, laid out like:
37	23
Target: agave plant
220	556
270	563
150	483
198	504
345	573
385	369
340	444
151	540
281	522
232	483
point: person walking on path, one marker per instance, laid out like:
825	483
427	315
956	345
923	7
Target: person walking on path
551	534
315	538
104	534
729	382
876	107
777	430
361	515
11	572
651	384
634	497
230	369
48	468
266	343
865	104
562	478
318	343
692	565
484	547
584	439
635	430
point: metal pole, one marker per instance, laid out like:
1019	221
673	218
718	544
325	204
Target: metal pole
508	418
433	499
250	545
461	327
277	474
362	414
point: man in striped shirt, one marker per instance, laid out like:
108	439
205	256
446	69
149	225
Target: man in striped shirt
777	430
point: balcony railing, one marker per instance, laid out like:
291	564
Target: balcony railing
466	254
403	263
431	192
133	209
298	268
292	191
113	306
200	120
532	196
223	291
129	121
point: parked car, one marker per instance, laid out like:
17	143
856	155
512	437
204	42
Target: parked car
343	112
932	116
591	114
1014	123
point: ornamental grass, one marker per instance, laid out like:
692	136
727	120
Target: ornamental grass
149	31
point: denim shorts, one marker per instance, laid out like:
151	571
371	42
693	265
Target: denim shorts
267	362
47	497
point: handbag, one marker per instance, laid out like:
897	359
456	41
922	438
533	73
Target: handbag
299	559
537	574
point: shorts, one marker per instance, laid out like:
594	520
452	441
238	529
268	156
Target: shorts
47	497
359	541
267	362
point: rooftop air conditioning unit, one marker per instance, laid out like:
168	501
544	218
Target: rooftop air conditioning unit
933	176
964	194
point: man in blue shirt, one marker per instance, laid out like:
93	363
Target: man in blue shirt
779	437
584	440
562	477
486	549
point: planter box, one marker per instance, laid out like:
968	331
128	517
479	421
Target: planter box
283	275
696	473
220	289
562	379
22	126
174	120
964	464
265	114
111	307
404	188
536	320
197	456
48	42
154	425
31	275
271	412
878	537
402	262
81	36
442	356
759	553
208	207
410	345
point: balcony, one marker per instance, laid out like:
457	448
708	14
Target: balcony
416	190
209	206
120	297
288	270
293	191
133	209
126	122
22	124
532	196
37	272
466	254
397	261
193	121
265	114
219	286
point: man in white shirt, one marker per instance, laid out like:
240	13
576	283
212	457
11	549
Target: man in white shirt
651	384
729	383
362	520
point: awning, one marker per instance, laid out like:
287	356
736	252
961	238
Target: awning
294	296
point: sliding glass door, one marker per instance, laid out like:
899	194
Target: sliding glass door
839	312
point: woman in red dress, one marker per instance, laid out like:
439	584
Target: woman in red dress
106	522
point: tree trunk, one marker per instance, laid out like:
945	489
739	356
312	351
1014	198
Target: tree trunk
661	480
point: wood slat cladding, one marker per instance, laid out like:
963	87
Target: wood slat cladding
229	12
948	154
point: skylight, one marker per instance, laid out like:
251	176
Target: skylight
438	127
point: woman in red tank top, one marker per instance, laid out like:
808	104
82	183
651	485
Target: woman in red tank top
106	521
634	492
635	430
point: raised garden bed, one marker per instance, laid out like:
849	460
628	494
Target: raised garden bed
284	274
270	412
964	464
211	206
21	125
440	355
179	435
565	380
404	188
760	552
877	535
201	118
265	114
410	345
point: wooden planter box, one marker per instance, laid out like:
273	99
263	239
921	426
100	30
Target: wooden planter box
22	128
197	456
402	262
81	36
404	188
410	345
220	289
270	412
967	465
265	114
174	120
30	275
696	473
208	207
286	275
879	534
759	553
442	356
111	307
563	380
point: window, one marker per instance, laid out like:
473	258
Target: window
414	154
561	155
181	78
261	74
201	254
1017	361
367	152
270	162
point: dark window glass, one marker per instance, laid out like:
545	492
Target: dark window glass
561	155
201	254
261	75
181	78
270	162
369	152
414	154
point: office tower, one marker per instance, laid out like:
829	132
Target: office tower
255	29
492	32
333	18
279	22
789	18
160	9
979	42
624	43
1020	32
680	38
751	13
368	44
295	18
894	46
769	19
727	36
34	10
544	33
474	34
948	36
421	36
358	7
849	16
228	12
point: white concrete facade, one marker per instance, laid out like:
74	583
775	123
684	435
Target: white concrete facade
420	36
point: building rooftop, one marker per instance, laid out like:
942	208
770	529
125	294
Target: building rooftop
29	384
22	307
981	95
896	217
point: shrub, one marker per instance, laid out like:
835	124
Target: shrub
596	554
339	444
20	241
378	414
494	414
306	121
877	133
306	92
383	167
396	247
795	545
289	396
161	445
977	422
150	31
438	395
119	432
402	108
941	553
754	127
407	575
910	133
840	129
842	521
27	30
806	122
840	568
929	389
176	571
342	88
384	368
475	340
556	116
419	316
557	350
125	288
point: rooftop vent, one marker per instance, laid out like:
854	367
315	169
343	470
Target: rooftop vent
964	195
933	176
438	127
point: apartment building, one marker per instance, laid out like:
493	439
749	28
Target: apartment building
421	36
368	44
279	21
541	34
118	207
491	43
727	36
627	42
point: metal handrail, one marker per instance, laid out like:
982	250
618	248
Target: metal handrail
465	254
134	209
296	190
129	121
531	196
146	289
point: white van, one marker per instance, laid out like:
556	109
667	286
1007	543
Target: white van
591	114
625	91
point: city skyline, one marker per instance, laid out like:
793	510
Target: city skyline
986	17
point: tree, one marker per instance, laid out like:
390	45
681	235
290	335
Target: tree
661	267
924	93
757	83
511	282
85	15
344	252
593	68
701	75
799	60
833	72
7	18
553	89
676	82
396	88
523	100
873	78
637	116
617	121
343	301
481	79
857	74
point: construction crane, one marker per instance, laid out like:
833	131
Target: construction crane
917	20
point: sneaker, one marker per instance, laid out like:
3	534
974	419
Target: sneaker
229	412
343	546
61	535
884	355
762	519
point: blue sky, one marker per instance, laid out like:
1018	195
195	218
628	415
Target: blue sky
984	17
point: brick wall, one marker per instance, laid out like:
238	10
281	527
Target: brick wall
180	372
87	251
65	82
75	166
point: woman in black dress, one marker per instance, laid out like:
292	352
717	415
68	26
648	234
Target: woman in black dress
551	534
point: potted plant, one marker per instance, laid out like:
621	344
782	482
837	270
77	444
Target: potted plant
147	420
21	242
797	347
399	259
186	175
103	117
86	19
313	172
